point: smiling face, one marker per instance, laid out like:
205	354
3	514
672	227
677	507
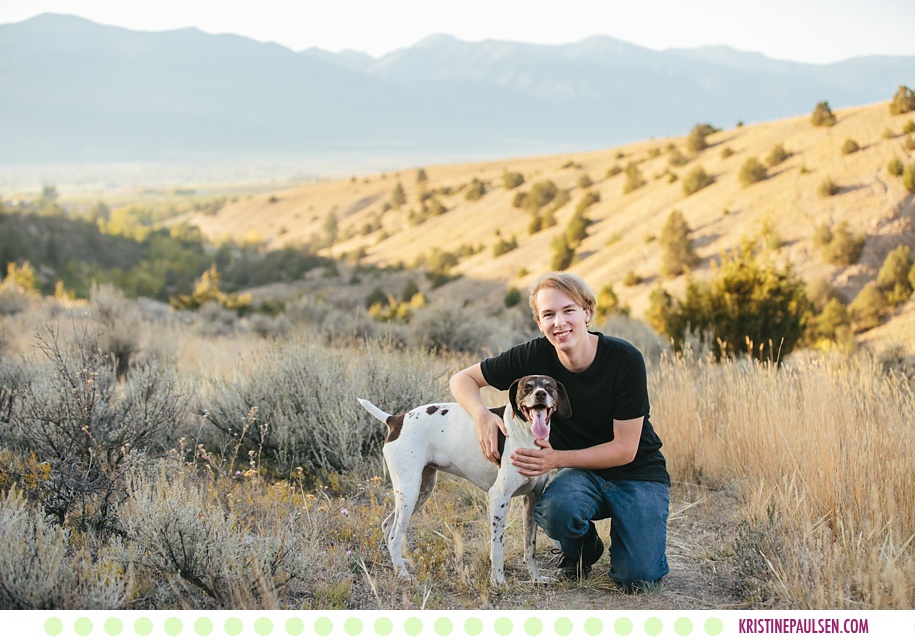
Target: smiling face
562	320
535	398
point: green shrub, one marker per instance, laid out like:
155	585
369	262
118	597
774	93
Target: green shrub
590	198
577	230
195	548
512	298
849	147
503	246
677	158
305	377
41	569
86	425
908	127
476	190
563	254
821	292
696	141
632	279
677	253
892	279
822	115
832	324
908	177
512	179
634	179
828	188
615	170
895	167
726	153
398	196
869	308
421	176
751	172
748	307
777	155
843	248
903	101
585	181
541	194
822	235
696	180
608	304
450	326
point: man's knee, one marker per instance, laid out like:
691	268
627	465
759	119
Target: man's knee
562	515
634	576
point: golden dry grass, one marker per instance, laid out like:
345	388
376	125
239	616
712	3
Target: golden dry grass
793	488
822	452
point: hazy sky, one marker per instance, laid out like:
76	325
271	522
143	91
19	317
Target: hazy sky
800	30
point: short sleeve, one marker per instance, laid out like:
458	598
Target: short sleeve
630	396
503	369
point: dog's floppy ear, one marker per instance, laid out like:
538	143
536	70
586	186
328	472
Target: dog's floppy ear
563	406
513	396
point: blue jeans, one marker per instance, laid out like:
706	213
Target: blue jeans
638	510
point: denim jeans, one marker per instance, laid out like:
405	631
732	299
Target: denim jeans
638	511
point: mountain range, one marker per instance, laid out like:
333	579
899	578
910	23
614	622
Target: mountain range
72	91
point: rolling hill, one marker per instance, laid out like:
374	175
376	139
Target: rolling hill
623	235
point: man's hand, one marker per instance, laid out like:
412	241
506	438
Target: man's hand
488	427
536	462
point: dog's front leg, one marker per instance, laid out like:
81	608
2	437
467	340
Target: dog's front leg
498	510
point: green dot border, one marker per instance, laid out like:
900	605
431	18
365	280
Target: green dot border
393	624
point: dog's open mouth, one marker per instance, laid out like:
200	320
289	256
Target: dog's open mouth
539	417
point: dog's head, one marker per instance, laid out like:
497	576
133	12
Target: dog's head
535	398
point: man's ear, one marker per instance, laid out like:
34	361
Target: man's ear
563	406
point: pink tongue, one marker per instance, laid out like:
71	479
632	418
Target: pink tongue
540	428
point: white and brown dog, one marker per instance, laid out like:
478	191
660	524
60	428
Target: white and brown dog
442	437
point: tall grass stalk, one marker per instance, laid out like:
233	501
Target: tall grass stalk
822	454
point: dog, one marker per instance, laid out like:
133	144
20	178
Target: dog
443	437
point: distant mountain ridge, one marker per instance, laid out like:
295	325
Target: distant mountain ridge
75	91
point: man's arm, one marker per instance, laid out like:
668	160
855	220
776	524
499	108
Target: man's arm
465	387
619	451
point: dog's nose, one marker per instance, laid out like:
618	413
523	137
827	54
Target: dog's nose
540	394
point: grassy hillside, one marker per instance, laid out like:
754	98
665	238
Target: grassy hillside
622	239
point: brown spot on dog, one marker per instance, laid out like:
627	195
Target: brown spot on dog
444	412
431	409
395	425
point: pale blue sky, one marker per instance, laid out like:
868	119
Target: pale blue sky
818	31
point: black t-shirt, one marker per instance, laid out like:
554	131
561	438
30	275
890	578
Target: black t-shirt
615	386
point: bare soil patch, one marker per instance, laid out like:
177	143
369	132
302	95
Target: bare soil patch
703	526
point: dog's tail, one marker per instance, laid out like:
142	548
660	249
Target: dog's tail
375	411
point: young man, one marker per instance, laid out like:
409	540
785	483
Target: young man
608	455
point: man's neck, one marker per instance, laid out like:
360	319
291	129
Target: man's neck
581	358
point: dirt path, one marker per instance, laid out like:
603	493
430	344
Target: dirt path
703	528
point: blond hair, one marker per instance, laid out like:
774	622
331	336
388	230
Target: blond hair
568	283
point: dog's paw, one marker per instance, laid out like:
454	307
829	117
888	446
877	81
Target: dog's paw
543	580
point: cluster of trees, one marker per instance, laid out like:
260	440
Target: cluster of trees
130	250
